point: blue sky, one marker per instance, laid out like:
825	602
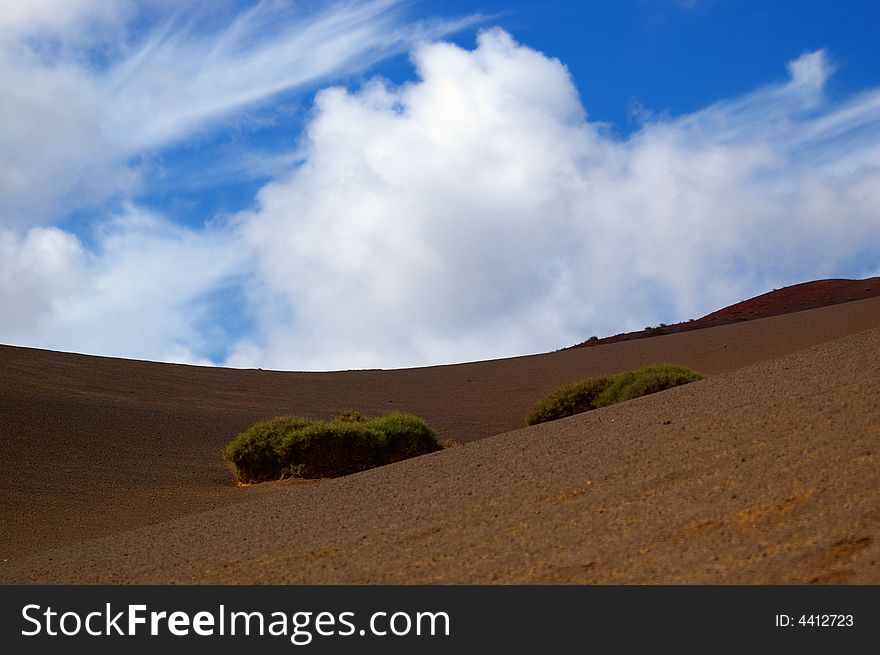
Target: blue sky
374	183
663	55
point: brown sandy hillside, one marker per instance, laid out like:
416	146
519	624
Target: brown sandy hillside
766	474
92	446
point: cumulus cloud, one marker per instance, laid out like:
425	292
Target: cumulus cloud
143	289
478	213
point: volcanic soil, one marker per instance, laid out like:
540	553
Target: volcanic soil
766	471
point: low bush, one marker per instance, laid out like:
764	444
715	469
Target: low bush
291	446
602	391
255	454
406	435
571	399
647	380
327	450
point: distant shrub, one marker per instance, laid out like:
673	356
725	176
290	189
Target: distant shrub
648	380
291	446
571	399
351	417
613	392
593	393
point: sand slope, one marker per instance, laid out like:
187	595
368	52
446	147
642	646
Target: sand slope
763	474
92	445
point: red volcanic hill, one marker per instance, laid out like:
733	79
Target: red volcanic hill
798	297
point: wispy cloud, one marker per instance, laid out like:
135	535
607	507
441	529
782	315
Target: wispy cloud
73	22
180	79
83	102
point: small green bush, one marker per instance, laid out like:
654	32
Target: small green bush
291	446
255	454
648	380
613	393
406	435
324	450
602	391
571	399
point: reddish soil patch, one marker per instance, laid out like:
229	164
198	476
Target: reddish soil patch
798	297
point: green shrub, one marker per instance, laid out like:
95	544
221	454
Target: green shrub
331	449
571	399
290	446
648	380
613	393
406	435
255	453
602	391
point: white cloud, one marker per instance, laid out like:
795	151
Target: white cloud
476	213
810	71
74	19
141	291
37	272
179	80
86	95
83	96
